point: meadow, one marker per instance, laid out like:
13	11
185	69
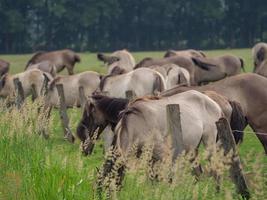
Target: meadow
34	168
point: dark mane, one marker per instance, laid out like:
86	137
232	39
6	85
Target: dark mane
110	107
138	65
103	81
34	57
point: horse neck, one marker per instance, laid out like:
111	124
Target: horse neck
112	110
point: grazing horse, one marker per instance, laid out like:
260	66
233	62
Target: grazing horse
142	82
45	66
259	54
144	121
60	59
28	78
229	64
4	67
185	53
118	62
249	90
200	72
88	80
173	74
102	111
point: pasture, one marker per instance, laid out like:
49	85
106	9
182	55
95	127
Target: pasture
34	168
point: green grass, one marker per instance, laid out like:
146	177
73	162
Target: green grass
34	168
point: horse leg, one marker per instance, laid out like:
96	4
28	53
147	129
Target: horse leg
262	135
70	69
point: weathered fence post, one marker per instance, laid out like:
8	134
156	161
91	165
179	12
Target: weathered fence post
44	89
34	92
175	128
82	96
19	99
63	114
130	94
228	143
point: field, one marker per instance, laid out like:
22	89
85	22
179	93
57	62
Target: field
34	168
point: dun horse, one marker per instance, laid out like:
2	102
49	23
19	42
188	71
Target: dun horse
173	74
45	66
60	59
118	62
259	54
141	81
186	53
249	90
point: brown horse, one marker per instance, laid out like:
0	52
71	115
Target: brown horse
259	54
229	64
186	53
45	66
200	72
60	59
4	67
249	90
262	69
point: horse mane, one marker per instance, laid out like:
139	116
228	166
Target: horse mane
117	71
103	80
34	57
169	53
53	82
110	107
138	65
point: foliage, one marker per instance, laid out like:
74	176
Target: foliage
107	25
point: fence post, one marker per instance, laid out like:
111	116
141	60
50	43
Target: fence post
82	96
228	143
63	114
130	94
19	99
175	128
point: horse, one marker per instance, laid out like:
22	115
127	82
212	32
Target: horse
173	74
229	64
185	53
249	90
101	111
28	78
45	66
262	69
259	54
144	122
4	67
88	80
60	59
118	62
142	82
200	72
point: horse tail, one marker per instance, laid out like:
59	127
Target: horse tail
242	64
159	84
77	58
238	121
260	55
33	58
202	64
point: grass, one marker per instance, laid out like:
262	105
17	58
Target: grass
34	168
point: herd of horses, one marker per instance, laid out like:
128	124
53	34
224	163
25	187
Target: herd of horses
205	88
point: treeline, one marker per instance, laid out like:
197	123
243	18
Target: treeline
106	25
